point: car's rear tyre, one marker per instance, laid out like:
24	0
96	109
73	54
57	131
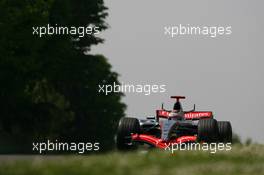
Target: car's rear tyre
126	127
225	131
208	130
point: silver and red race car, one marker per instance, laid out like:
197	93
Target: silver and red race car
172	127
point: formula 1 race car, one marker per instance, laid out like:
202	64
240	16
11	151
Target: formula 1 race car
172	127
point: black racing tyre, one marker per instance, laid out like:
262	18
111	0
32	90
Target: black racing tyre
208	130
126	126
225	131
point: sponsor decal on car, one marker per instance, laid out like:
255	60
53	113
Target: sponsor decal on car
193	115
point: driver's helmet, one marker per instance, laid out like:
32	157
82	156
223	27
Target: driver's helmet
177	112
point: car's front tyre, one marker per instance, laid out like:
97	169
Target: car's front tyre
126	127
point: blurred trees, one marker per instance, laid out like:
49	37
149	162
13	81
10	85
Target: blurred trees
49	85
236	139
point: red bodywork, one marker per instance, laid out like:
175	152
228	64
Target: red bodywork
159	143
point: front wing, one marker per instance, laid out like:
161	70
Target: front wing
159	143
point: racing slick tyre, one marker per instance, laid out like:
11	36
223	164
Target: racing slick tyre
225	131
208	130
126	126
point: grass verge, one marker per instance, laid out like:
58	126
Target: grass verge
241	160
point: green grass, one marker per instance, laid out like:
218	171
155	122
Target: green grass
241	160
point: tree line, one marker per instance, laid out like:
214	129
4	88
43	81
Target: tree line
49	85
